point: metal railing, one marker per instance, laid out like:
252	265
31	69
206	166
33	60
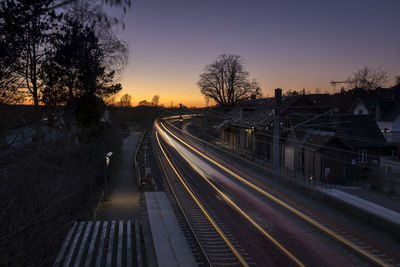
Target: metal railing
137	172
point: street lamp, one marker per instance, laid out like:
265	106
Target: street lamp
107	163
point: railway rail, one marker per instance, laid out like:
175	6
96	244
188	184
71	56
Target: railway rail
378	254
209	234
370	251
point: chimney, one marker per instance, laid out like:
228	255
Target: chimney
278	96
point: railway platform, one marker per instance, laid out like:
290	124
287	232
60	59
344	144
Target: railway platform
170	245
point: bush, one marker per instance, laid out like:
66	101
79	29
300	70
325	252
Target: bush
43	190
89	110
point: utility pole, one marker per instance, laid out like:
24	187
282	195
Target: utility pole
278	97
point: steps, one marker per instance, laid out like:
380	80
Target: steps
103	243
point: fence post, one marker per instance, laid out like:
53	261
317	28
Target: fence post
314	182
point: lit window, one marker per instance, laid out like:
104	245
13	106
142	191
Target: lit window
362	156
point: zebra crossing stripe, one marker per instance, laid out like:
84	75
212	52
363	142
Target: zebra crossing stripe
101	244
64	246
83	244
138	245
129	244
120	235
89	255
73	245
110	244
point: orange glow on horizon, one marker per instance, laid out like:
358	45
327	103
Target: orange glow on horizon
174	93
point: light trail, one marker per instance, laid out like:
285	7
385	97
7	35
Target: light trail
244	214
210	219
306	218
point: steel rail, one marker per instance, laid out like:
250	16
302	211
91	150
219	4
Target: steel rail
244	214
372	248
300	214
196	200
203	253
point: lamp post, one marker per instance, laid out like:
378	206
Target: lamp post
107	163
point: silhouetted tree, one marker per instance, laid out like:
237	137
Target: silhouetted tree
125	100
397	83
125	4
26	25
91	14
368	79
226	82
9	80
155	100
89	110
143	103
76	69
290	92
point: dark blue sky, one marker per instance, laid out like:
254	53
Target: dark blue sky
288	44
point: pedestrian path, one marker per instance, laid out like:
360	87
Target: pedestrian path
123	198
102	243
169	242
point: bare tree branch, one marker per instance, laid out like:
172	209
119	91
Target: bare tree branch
226	82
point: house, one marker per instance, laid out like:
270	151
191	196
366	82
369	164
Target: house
386	112
248	129
341	151
315	139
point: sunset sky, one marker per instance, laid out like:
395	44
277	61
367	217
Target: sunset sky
291	44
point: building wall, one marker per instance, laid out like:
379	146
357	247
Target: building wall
396	124
360	107
262	146
318	166
289	157
333	163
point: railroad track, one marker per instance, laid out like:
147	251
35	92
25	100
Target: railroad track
205	232
378	254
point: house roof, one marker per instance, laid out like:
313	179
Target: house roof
389	110
315	140
358	131
353	131
293	105
368	102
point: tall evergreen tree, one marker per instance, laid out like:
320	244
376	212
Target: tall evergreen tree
76	69
26	25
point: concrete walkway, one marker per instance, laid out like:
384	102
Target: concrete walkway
379	198
169	242
376	211
123	198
